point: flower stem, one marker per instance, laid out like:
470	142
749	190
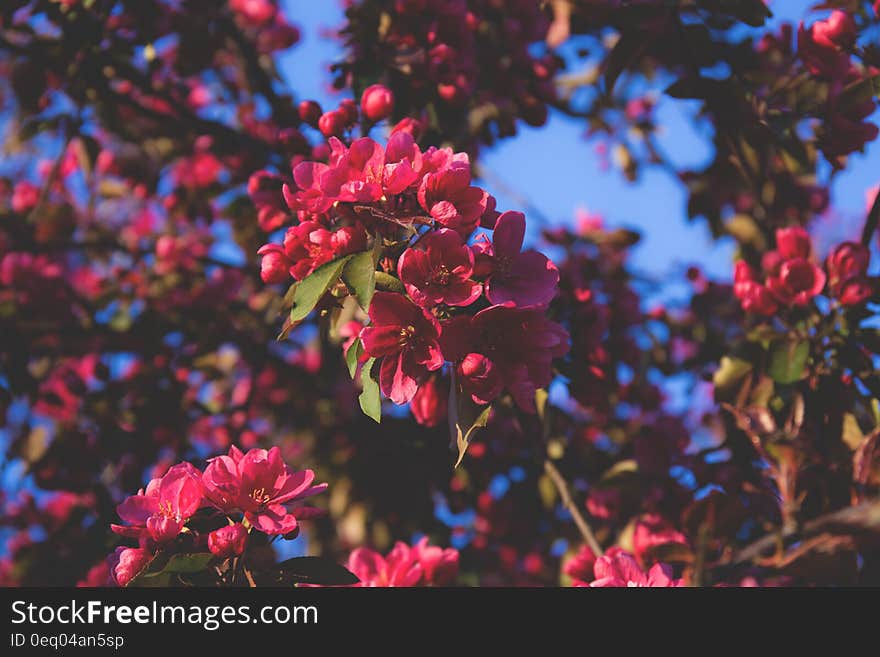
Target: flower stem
579	520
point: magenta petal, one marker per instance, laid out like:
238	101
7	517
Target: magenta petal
272	520
510	230
293	485
137	508
381	340
365	564
396	384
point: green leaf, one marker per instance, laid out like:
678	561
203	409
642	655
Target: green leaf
389	283
788	360
370	399
359	274
352	355
312	570
188	563
731	371
465	417
158	571
310	289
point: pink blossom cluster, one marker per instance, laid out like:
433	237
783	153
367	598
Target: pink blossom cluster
791	277
825	48
617	568
253	490
405	566
480	307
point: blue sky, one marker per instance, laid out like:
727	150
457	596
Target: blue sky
558	170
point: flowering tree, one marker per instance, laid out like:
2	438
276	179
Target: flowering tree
215	293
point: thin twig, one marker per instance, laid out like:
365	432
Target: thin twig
872	220
579	520
250	578
864	517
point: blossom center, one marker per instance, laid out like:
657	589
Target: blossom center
502	264
260	496
406	334
167	510
441	276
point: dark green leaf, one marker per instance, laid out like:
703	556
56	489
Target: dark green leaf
787	361
158	572
359	275
352	355
370	399
313	570
310	290
465	417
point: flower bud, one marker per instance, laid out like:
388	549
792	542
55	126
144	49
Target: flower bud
228	541
793	242
377	102
332	124
309	112
125	563
836	31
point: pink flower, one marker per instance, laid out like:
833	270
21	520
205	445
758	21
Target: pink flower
398	569
410	126
797	283
439	565
306	193
265	190
580	567
275	265
260	484
403	162
257	12
652	530
821	57
617	568
479	377
98	575
161	511
125	563
447	195
25	196
846	265
228	541
377	101
198	171
756	298
306	247
855	292
793	242
440	271
836	31
405	566
504	343
429	404
526	279
604	503
405	337
355	173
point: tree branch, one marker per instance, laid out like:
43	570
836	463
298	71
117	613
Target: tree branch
864	517
579	520
872	220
